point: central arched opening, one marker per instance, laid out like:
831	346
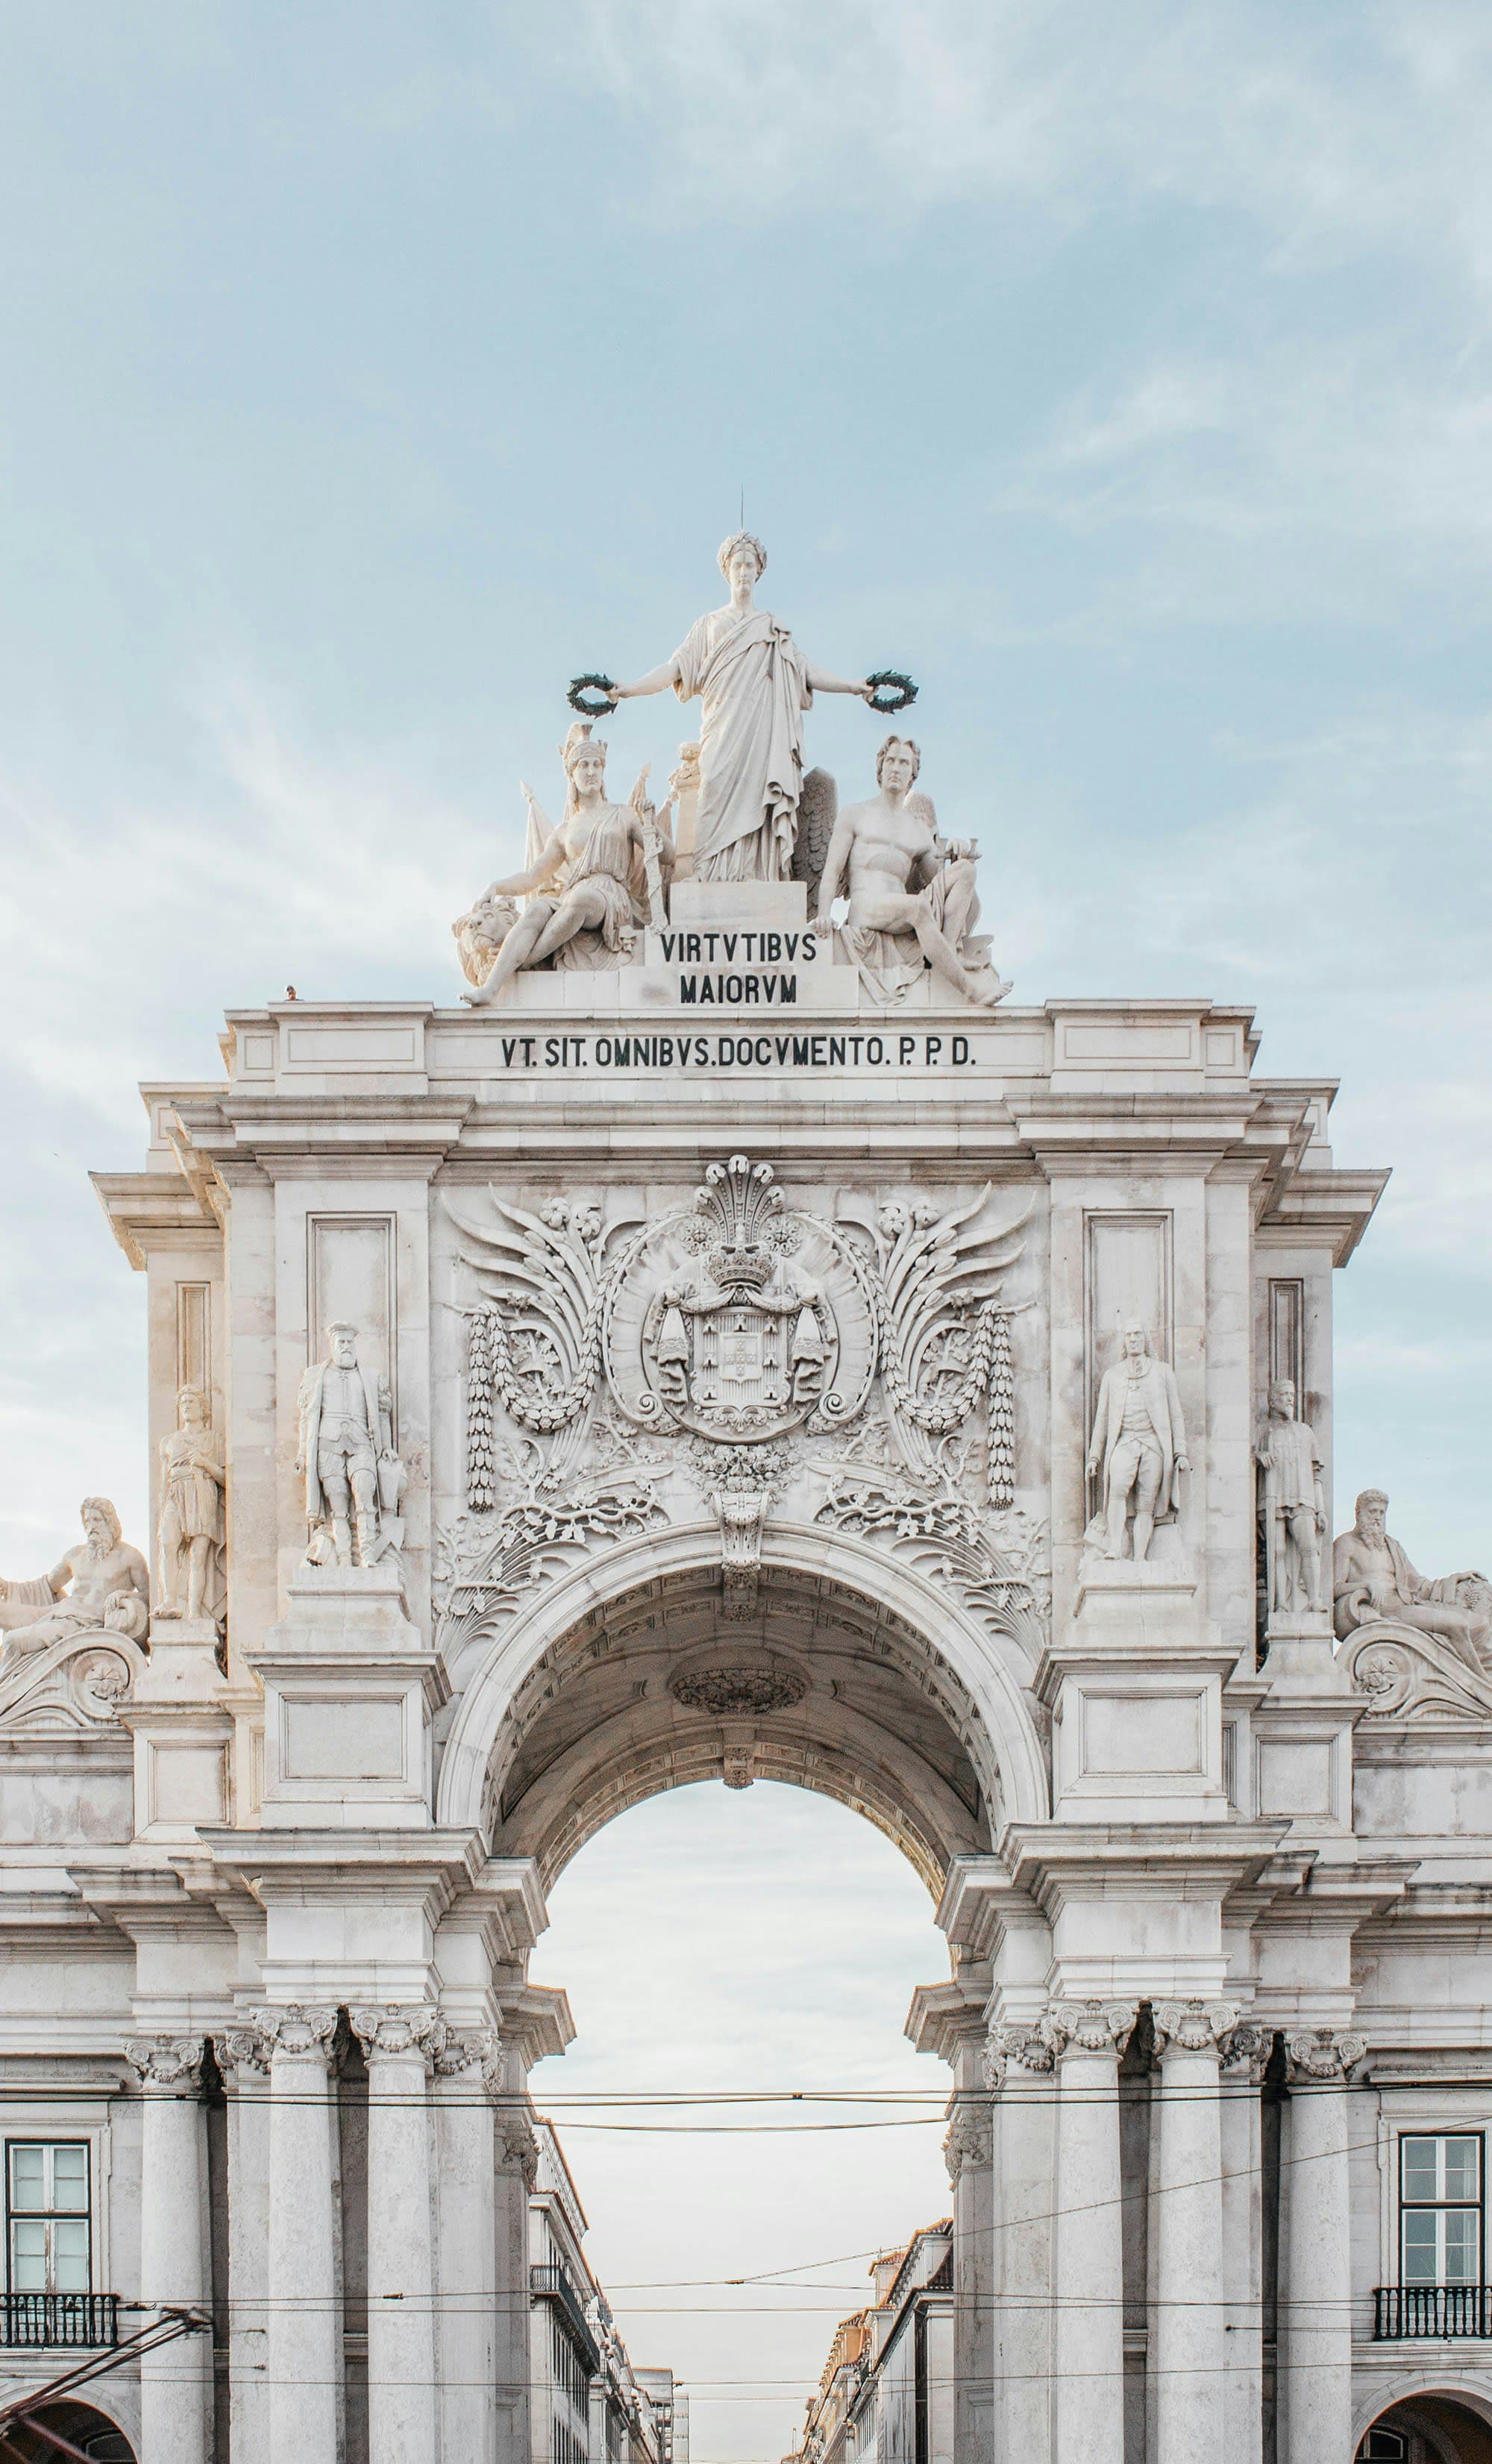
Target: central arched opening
740	1945
653	1694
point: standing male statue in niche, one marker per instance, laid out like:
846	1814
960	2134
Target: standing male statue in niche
1294	1506
347	1448
755	684
190	1535
1373	1582
1139	1449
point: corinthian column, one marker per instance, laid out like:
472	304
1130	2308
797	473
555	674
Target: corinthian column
1186	2353
174	2381
304	2314
469	2325
968	2153
1018	2068
1316	2270
1243	2061
401	2041
1085	2037
243	2058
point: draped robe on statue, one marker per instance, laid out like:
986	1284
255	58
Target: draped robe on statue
752	680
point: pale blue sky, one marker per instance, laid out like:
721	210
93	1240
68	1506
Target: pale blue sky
1120	370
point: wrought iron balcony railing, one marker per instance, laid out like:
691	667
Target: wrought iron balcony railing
553	2284
90	2318
1401	2310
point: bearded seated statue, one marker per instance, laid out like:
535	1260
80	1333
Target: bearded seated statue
1375	1584
102	1584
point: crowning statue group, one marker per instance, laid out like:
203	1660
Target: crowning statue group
742	810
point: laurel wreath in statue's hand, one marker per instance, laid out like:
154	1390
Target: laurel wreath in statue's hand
580	686
900	696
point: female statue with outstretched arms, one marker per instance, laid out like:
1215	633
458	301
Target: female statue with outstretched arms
754	684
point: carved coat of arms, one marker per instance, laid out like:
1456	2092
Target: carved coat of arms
747	1346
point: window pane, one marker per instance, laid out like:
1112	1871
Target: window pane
1420	2246
28	2259
26	2177
1462	2253
1421	2169
70	2256
1461	2168
70	2177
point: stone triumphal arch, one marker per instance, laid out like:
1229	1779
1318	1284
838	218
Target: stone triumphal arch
738	1339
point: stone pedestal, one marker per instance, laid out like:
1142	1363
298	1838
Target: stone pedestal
698	906
350	1687
1302	1729
1135	1690
182	1732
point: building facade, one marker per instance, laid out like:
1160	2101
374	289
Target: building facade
757	1349
589	2405
889	2388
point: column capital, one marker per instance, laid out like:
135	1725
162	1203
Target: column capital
1088	2027
242	2053
1321	2057
518	2147
396	2030
296	2030
164	2062
469	2049
1193	2027
1019	2042
970	2138
1244	2052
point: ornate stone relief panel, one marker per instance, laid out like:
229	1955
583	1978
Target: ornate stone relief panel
849	1364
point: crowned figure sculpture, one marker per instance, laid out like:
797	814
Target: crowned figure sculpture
754	684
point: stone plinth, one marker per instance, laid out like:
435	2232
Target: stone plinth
1302	1728
729	906
350	1687
1135	1691
182	1732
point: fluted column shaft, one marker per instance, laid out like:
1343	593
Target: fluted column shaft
1090	2331
400	2043
1317	2326
175	2382
1187	2351
468	2329
304	2314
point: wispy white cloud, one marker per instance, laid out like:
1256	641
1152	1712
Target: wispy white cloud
1334	133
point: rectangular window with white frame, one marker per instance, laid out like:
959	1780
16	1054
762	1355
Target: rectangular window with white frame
1440	2199
49	2215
